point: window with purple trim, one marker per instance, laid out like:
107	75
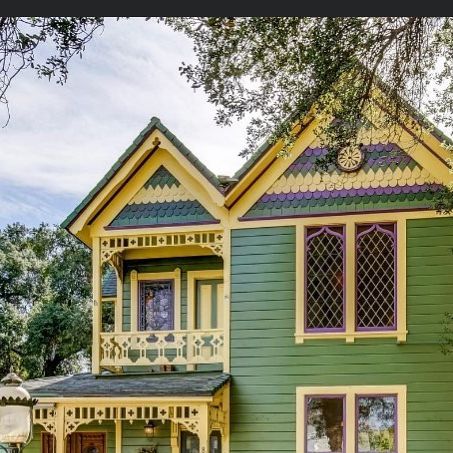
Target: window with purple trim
376	423
324	279
376	276
325	421
156	305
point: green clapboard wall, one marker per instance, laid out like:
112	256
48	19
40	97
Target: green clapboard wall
267	365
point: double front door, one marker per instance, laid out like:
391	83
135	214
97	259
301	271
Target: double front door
76	443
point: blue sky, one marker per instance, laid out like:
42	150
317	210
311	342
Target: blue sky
62	139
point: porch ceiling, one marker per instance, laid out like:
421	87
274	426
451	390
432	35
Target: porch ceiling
131	385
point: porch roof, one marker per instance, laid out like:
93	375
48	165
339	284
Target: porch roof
127	385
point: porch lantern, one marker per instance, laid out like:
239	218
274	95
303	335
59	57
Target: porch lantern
149	428
16	414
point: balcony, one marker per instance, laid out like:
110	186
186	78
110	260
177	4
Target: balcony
181	347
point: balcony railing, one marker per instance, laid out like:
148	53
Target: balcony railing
181	347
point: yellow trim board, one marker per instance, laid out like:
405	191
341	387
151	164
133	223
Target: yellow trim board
275	170
131	400
365	217
350	393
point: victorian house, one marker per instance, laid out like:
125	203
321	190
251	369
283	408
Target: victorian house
285	309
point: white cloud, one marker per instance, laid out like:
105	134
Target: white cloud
62	139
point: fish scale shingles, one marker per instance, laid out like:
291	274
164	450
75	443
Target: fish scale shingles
162	213
161	178
382	157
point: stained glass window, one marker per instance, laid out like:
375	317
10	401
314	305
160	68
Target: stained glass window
324	426
324	278
376	424
156	305
376	277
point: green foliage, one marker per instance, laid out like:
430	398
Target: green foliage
45	288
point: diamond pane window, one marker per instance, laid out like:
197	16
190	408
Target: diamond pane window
376	424
324	279
376	277
324	426
156	308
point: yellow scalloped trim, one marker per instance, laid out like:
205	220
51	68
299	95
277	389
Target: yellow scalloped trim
161	195
361	180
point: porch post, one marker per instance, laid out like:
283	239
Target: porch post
203	434
226	421
118	436
174	437
226	297
60	431
119	303
97	301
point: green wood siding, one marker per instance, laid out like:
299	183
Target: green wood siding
134	438
267	365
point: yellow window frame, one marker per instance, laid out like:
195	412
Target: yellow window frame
350	333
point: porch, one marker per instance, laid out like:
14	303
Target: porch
189	411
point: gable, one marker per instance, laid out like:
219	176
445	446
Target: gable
389	179
163	200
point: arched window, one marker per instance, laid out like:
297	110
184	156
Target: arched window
376	277
324	279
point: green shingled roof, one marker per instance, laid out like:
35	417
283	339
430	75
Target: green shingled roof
154	124
146	385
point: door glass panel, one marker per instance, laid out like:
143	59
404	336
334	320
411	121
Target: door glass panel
156	310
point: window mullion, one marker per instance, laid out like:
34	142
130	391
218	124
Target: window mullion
350	281
350	428
401	275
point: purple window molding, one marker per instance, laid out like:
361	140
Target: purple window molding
321	404
324	285
376	275
389	416
156	305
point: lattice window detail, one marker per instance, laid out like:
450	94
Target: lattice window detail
324	279
376	277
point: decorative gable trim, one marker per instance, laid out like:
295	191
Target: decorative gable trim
388	179
163	200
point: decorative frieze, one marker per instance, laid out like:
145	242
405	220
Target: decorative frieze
111	246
